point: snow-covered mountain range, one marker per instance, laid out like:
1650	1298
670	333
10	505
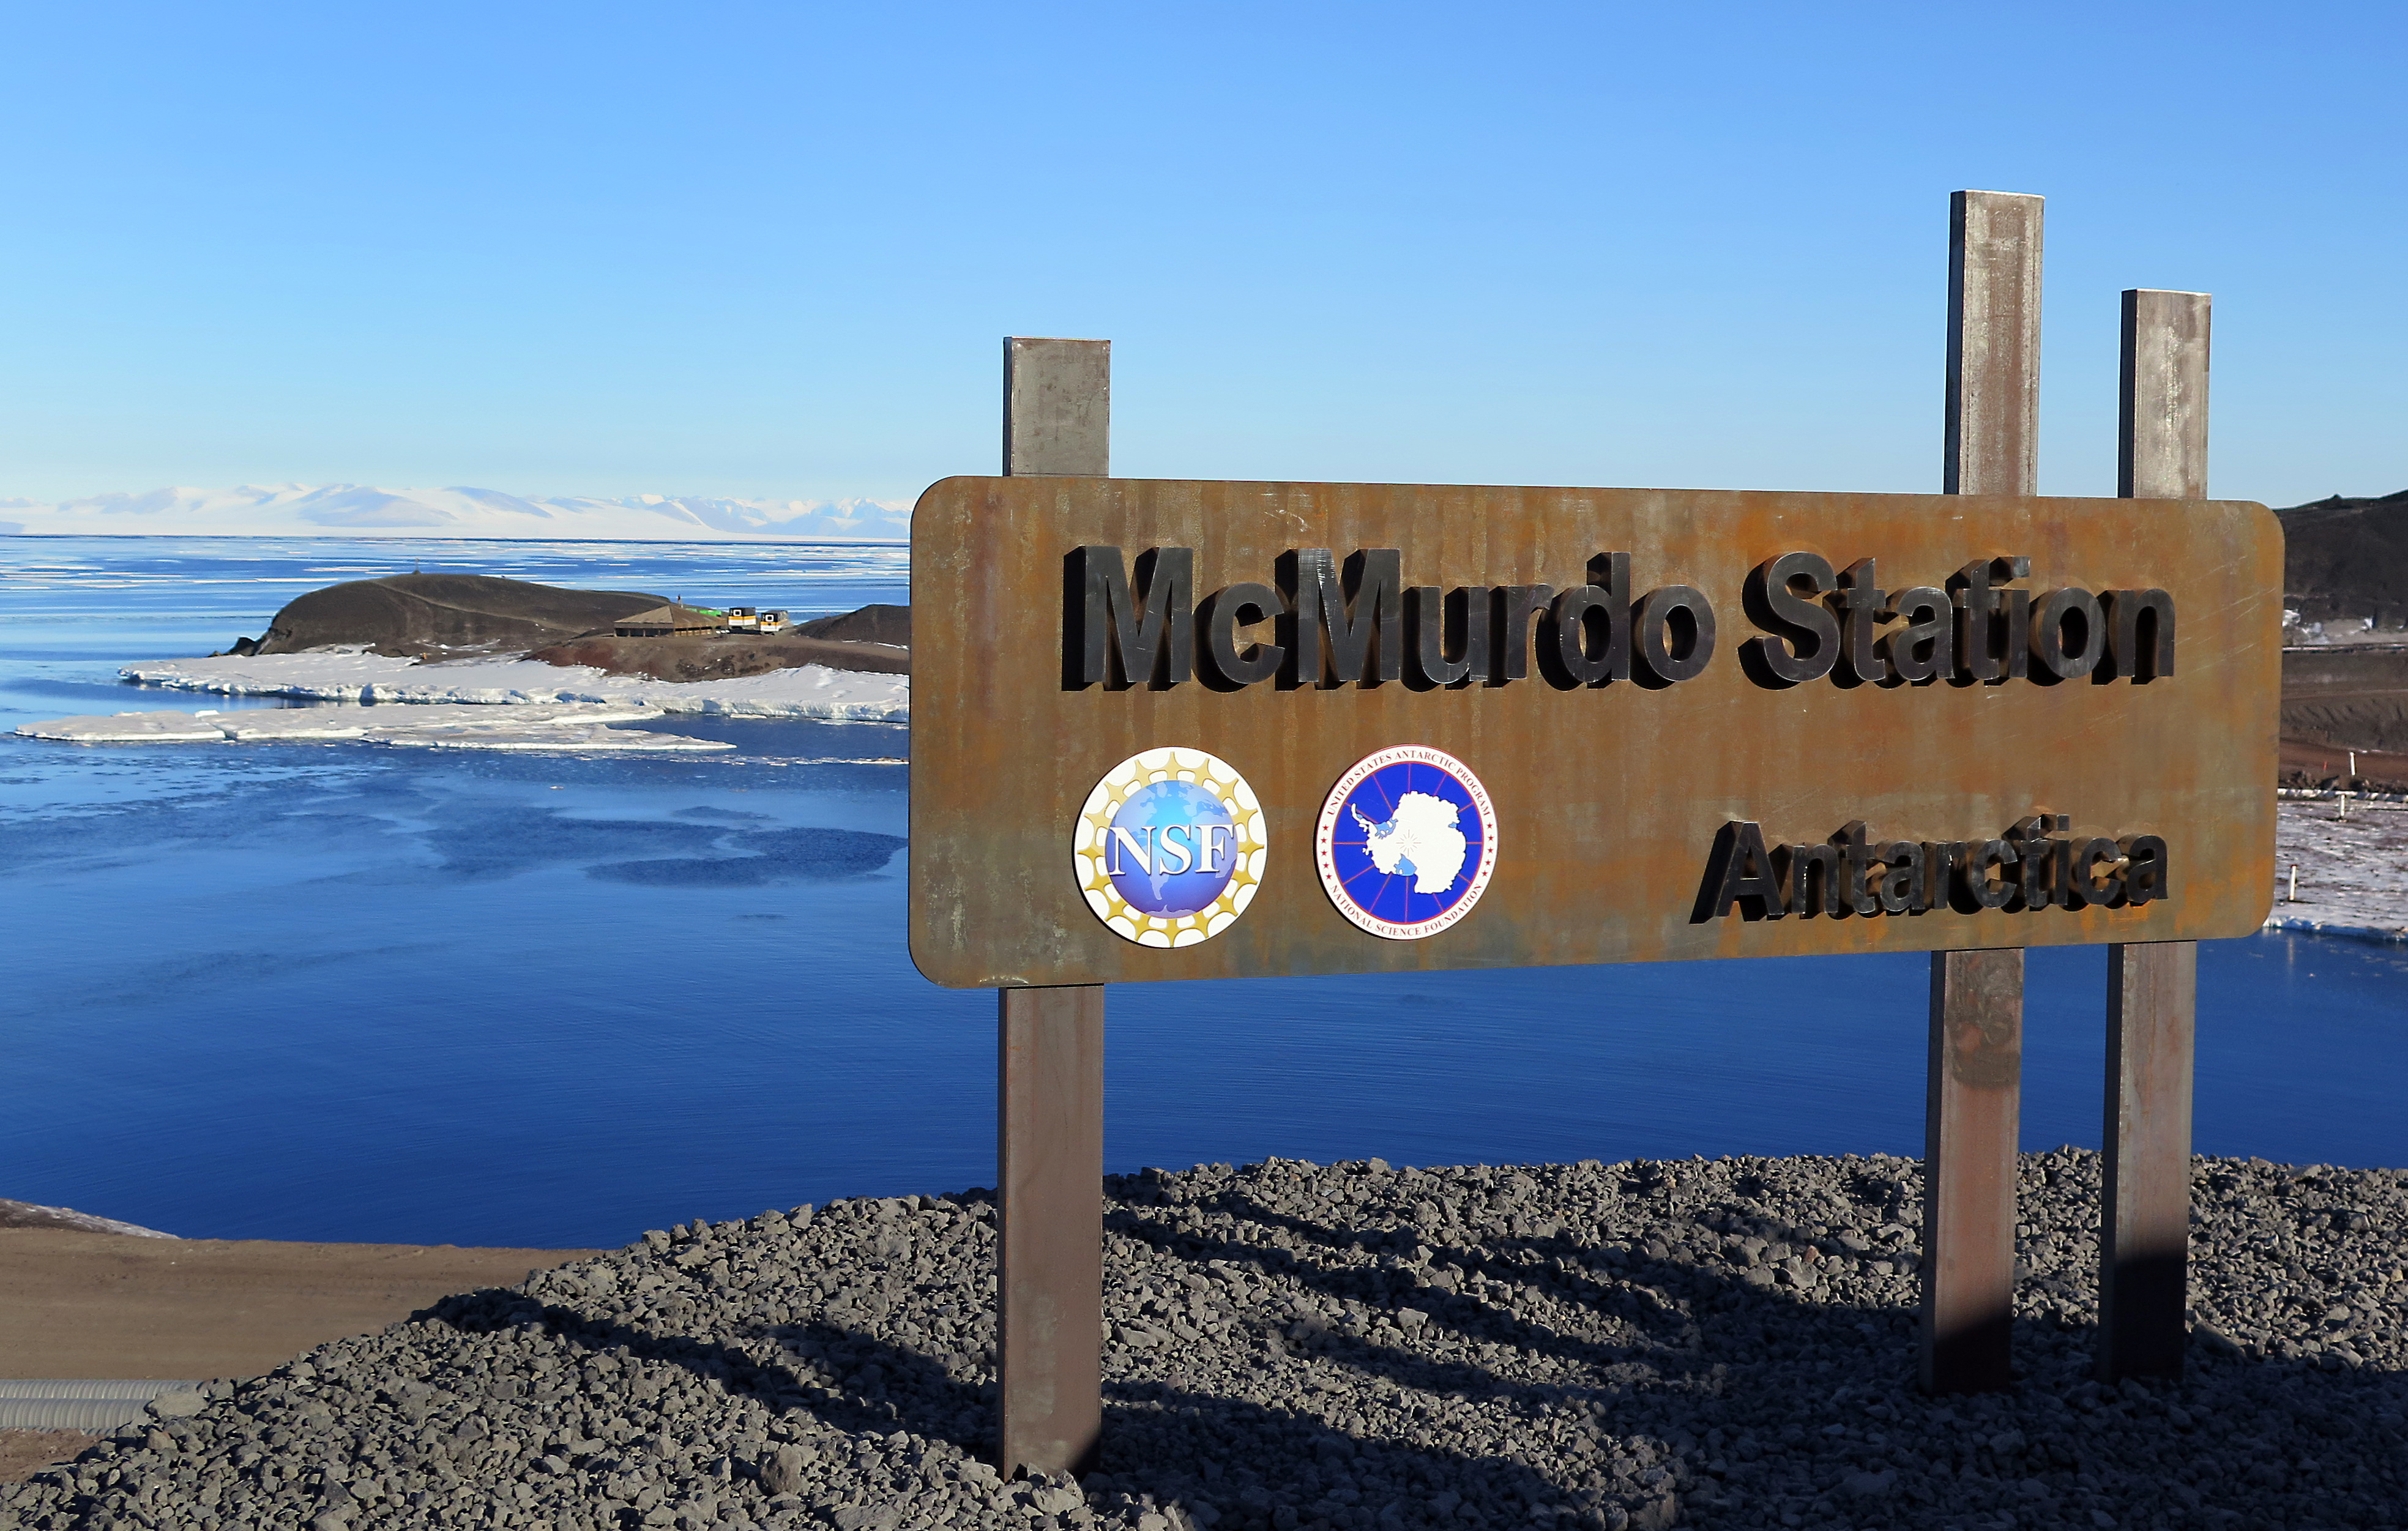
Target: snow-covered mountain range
361	510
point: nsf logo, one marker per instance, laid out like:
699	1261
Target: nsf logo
1170	847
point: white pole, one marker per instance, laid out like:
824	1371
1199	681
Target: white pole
2295	884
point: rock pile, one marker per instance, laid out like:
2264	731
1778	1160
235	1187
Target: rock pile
1719	1344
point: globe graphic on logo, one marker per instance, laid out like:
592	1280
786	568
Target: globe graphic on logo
1406	843
1170	849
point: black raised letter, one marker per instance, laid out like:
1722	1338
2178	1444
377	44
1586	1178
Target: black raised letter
1921	649
1861	898
2014	609
1943	860
1976	657
2130	655
2145	869
1431	615
1224	612
1901	882
1112	627
1823	863
1607	597
2035	856
1860	657
2085	885
1746	873
1676	632
1976	869
2049	632
1509	652
1363	633
1777	605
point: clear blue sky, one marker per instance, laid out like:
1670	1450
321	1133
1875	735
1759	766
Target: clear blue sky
771	249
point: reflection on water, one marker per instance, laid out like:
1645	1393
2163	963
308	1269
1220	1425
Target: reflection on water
302	992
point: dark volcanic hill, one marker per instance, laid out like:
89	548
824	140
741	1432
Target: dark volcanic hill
2348	558
438	614
872	623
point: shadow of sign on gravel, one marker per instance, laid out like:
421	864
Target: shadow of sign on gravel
1169	1445
1304	1348
1662	1375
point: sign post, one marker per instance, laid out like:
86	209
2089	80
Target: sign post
1975	1090
1172	730
2152	988
1050	1051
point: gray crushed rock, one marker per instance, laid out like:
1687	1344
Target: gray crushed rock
1725	1343
28	1214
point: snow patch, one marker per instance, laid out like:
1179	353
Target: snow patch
437	726
2353	872
351	674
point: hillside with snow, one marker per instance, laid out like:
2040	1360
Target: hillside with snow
361	510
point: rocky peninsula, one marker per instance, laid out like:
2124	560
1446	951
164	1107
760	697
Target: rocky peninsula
1726	1343
433	616
450	645
451	617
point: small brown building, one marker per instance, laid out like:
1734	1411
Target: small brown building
670	622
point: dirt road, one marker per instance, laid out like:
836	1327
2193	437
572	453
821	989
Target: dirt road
102	1305
94	1305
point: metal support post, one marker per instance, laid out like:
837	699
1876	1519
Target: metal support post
1050	1065
1057	408
1975	1081
2152	989
1974	1101
1050	1276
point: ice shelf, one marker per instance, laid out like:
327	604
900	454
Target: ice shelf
437	725
351	674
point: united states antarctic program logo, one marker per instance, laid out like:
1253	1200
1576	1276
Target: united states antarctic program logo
1170	847
1406	843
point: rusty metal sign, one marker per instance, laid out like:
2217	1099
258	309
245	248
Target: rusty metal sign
1187	730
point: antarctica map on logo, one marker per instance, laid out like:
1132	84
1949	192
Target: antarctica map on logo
1420	841
1407	841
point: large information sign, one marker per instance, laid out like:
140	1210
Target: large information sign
1187	730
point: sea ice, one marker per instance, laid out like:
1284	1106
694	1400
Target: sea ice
351	674
2353	872
458	726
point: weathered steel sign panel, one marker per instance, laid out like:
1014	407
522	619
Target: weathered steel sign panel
1186	730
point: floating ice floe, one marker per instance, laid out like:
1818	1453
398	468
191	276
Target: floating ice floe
458	726
351	674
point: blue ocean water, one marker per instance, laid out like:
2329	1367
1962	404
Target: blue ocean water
335	992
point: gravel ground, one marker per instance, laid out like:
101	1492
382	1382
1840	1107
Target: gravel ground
1716	1344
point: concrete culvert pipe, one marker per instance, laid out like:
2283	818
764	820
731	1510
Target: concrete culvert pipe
86	1404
